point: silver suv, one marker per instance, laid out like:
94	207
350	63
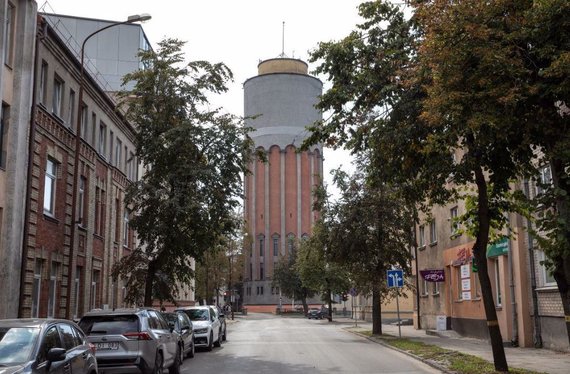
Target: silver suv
132	341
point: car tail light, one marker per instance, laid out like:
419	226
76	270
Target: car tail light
137	336
92	347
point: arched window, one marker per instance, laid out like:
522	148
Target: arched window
291	243
275	239
261	240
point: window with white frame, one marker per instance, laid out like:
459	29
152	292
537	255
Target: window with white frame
37	287
118	148
435	288
93	135
546	277
275	245
126	228
52	295
84	120
50	187
423	287
459	283
422	236
497	281
57	97
432	232
544	179
94	289
77	291
454	225
82	200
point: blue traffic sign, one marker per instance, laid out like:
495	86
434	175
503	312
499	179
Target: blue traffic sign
395	278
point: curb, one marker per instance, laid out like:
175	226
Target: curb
431	363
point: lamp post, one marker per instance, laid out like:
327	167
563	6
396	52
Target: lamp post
74	220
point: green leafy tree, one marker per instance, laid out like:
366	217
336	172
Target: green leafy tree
193	157
370	231
287	278
212	273
314	269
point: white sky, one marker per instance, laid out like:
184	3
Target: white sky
239	33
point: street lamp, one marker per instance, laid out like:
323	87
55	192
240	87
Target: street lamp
74	221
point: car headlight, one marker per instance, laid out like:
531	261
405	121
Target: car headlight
201	331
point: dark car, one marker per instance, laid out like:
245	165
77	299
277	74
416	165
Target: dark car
314	313
132	341
182	325
37	346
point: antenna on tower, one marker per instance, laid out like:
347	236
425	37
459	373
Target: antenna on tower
283	41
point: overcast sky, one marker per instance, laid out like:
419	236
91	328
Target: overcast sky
239	33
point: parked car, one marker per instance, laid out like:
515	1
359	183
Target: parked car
314	313
206	325
30	346
222	317
132	341
182	325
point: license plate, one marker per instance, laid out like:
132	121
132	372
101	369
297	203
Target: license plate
108	345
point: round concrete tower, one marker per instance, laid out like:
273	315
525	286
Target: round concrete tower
280	103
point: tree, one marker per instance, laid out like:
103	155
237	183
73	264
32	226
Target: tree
416	91
212	273
314	269
286	277
193	157
370	231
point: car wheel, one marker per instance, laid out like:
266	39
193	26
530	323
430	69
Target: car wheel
225	336
158	364
175	368
192	350
218	342
210	342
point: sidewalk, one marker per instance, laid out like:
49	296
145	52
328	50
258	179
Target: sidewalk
541	360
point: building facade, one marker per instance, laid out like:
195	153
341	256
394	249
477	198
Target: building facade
17	38
279	104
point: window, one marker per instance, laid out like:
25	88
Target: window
37	287
476	286
77	291
498	292
423	287
49	187
84	119
261	271
93	130
275	245
57	96
453	214
82	201
544	179
94	289
9	32
111	147
42	94
117	221
118	148
102	209
68	335
432	232
250	271
547	279
4	125
261	290
97	209
102	138
126	228
459	283
435	288
71	108
261	239
291	243
422	236
52	296
51	340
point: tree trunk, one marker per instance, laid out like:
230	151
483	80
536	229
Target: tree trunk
376	311
480	253
305	305
149	283
561	272
330	306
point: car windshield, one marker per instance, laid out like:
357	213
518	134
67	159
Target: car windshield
109	325
16	344
197	314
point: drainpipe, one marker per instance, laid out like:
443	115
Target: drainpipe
515	339
537	334
40	35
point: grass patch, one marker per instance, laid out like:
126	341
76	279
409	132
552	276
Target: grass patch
458	362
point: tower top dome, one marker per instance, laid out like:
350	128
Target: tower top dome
282	65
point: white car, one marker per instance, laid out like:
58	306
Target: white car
206	326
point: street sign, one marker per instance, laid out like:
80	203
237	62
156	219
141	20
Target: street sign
395	278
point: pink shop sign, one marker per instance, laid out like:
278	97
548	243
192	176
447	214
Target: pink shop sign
433	275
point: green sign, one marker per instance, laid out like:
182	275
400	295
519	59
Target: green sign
500	248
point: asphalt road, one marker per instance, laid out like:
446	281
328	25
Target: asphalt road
260	344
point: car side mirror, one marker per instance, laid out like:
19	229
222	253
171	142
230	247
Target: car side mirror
56	354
